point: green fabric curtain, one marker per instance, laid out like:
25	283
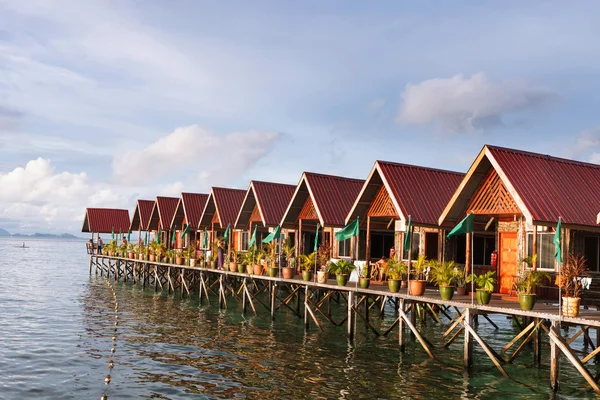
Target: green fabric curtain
557	243
317	238
252	241
407	235
464	226
349	231
273	235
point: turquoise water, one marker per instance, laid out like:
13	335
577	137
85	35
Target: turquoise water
57	329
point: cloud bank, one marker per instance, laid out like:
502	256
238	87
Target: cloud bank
468	104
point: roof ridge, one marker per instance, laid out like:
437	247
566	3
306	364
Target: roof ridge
419	167
545	156
331	176
273	183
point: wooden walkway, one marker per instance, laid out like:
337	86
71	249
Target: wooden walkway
312	301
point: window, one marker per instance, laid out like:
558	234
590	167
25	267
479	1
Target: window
545	244
483	245
591	247
344	248
416	243
244	240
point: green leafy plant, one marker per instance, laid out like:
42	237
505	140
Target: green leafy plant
289	250
459	276
531	261
575	268
395	269
484	281
527	281
363	271
307	261
341	267
442	273
419	268
249	256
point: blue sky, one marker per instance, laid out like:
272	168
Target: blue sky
104	102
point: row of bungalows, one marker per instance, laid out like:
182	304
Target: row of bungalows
516	198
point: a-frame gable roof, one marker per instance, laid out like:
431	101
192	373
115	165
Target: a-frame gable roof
544	187
190	207
417	191
226	203
332	197
141	215
271	199
162	213
105	220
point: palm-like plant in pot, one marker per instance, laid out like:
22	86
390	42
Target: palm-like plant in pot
442	274
418	278
364	278
131	248
460	280
485	286
307	263
289	250
249	259
342	270
394	271
271	250
570	283
527	281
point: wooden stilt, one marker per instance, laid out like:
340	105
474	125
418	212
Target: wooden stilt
401	326
554	358
273	295
350	316
468	349
306	308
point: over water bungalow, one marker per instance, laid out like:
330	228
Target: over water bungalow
320	199
141	216
221	210
105	220
263	208
162	216
391	194
516	198
188	212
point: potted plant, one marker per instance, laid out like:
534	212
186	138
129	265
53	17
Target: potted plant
527	281
571	285
442	274
307	263
342	270
364	277
233	261
307	270
271	249
394	271
257	268
485	286
290	261
460	281
249	259
418	283
131	250
323	254
190	254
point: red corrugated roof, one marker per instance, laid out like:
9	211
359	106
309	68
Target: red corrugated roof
273	199
333	196
226	202
141	215
192	206
162	213
550	186
420	192
105	220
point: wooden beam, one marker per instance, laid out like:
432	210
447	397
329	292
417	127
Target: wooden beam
368	245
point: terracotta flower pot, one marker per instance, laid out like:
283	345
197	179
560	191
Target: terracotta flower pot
306	276
179	260
233	266
257	269
417	288
570	306
461	291
249	268
394	285
151	257
287	272
131	254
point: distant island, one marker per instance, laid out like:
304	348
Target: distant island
5	233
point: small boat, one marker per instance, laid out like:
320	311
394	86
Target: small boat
21	246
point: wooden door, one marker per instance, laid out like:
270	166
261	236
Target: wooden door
507	264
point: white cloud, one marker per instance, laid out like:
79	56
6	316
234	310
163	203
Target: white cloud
191	150
460	103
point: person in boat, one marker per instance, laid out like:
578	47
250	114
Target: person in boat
23	244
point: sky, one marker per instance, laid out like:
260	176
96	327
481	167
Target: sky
106	102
